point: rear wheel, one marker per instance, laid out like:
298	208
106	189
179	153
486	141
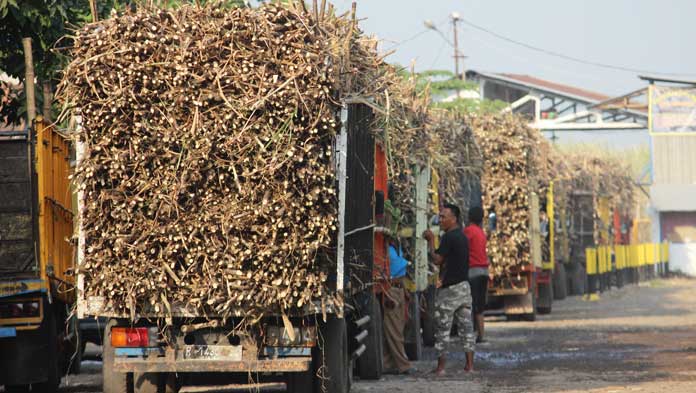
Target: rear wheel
370	363
331	357
413	344
298	382
545	300
53	382
77	349
560	282
582	280
46	387
577	280
531	317
428	322
112	382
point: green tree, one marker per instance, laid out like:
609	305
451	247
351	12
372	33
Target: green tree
49	24
45	22
445	83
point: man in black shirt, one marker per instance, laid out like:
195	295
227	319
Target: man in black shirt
453	301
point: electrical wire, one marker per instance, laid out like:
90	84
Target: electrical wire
439	53
418	34
489	45
570	58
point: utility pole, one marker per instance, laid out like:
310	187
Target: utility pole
457	56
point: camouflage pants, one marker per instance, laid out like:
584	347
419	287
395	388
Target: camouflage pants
454	304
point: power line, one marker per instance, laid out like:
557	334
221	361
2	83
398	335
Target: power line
413	37
570	58
439	53
418	34
492	46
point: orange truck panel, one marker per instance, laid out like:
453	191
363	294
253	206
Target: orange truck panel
381	257
56	252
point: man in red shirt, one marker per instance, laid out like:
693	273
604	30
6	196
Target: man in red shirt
478	266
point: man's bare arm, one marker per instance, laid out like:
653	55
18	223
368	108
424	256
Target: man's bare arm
435	257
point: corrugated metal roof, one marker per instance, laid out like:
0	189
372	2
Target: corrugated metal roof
541	83
532	82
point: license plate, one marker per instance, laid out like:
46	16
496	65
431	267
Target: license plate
8	332
212	352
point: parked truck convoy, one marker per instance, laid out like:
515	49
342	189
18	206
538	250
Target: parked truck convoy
158	347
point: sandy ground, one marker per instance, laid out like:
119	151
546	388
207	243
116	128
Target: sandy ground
637	339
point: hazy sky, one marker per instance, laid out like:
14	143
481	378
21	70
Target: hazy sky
648	35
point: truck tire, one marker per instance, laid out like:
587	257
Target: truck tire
427	320
545	300
370	363
331	358
413	344
54	375
112	382
577	280
531	317
147	383
560	282
298	382
77	348
50	386
76	361
582	280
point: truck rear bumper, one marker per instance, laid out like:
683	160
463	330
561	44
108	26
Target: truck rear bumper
162	364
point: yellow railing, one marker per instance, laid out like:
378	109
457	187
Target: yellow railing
637	261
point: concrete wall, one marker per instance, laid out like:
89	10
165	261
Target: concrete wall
674	161
682	258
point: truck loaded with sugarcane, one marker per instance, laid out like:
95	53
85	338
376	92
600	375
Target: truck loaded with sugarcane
546	207
598	212
230	196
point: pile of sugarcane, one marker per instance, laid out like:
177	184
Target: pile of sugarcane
403	126
461	161
208	173
513	167
605	178
418	136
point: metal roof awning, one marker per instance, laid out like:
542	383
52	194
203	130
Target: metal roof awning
527	82
653	79
559	107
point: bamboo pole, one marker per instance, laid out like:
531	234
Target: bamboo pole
29	80
47	100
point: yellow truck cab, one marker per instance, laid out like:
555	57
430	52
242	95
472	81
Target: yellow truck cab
37	339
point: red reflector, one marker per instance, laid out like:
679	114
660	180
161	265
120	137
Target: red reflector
27	309
129	337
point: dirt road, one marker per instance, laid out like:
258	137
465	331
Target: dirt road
637	339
